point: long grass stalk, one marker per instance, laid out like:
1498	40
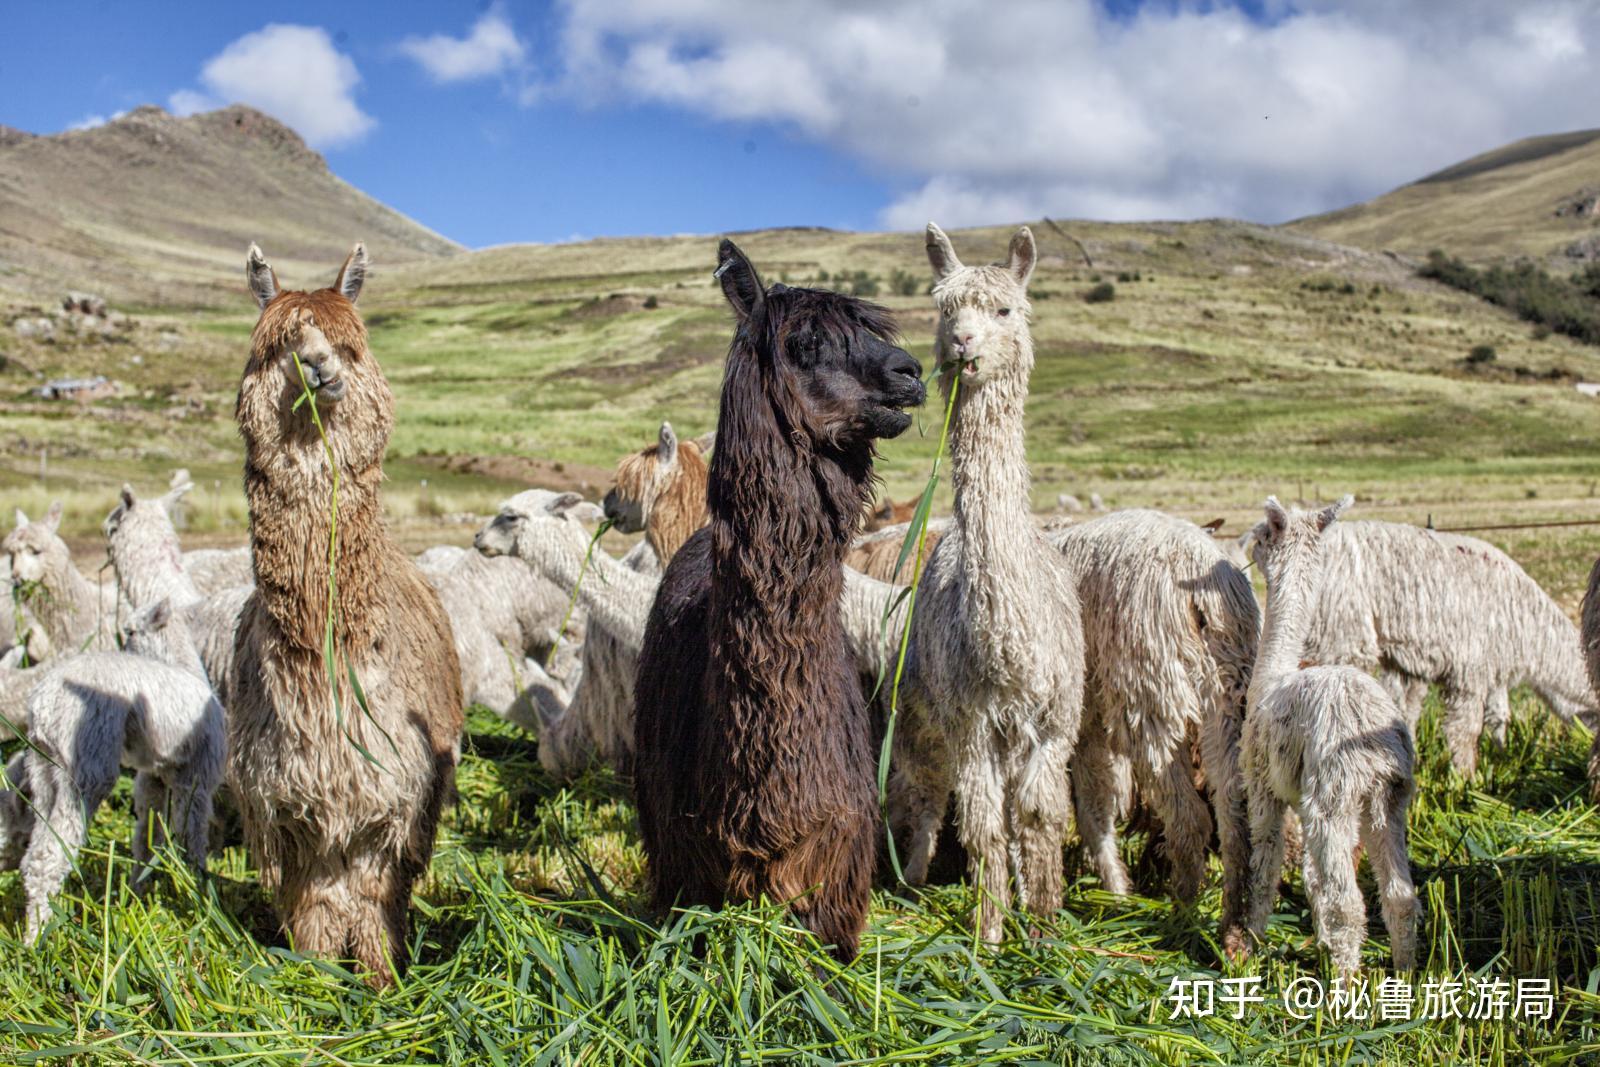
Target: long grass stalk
572	601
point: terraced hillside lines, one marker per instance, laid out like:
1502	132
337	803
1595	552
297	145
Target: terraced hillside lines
155	210
1504	203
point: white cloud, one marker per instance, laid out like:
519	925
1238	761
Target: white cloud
293	73
491	48
999	112
89	122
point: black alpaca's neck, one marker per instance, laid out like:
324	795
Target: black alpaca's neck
783	514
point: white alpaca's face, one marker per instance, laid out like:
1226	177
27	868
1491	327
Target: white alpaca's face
29	550
983	311
519	517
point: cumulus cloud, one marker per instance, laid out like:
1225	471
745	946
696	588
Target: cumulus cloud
293	73
983	113
490	49
89	122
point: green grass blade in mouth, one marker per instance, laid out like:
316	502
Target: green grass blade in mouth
572	601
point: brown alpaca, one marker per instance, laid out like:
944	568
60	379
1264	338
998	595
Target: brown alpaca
339	834
662	491
753	769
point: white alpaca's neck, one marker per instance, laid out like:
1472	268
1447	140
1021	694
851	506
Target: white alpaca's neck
614	595
1283	631
989	464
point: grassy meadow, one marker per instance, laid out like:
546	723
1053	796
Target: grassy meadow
1233	362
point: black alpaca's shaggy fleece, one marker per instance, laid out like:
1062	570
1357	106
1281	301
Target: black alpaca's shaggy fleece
754	766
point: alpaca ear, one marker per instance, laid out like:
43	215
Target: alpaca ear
1326	516
666	445
1277	519
587	511
262	278
177	492
1023	256
352	274
740	282
706	441
563	503
21	518
128	498
156	616
941	253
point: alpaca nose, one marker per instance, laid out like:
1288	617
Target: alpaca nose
962	340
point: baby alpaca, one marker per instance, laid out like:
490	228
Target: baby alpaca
90	714
1331	742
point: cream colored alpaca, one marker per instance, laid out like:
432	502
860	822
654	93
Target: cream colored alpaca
995	664
1334	745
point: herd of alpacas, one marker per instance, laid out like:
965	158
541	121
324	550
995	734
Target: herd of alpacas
732	664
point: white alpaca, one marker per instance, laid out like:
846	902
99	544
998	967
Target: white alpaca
545	531
504	619
143	545
1421	606
1331	743
1170	629
75	613
89	715
992	705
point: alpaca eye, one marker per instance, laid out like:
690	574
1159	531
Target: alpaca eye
1004	312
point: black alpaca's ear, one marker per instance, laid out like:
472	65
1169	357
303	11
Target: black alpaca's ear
1023	256
353	274
262	278
941	253
740	282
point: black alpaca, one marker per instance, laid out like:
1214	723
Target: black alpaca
754	764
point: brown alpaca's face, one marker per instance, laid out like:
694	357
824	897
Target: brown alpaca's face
641	479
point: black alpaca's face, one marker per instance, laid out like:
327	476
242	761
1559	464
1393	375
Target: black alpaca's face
852	382
856	384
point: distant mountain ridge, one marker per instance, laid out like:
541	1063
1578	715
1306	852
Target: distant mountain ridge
1537	197
154	209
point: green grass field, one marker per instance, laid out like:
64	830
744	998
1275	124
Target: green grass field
1243	361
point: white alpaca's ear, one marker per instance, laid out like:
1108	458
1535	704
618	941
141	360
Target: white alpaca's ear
1326	516
563	503
154	617
941	253
262	278
1023	256
21	518
353	274
666	445
587	511
52	518
178	491
1277	520
128	498
740	282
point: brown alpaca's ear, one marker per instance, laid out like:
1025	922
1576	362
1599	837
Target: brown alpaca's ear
259	274
740	282
706	441
1023	256
353	274
666	445
941	253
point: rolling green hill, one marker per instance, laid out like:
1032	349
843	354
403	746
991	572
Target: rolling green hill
1535	197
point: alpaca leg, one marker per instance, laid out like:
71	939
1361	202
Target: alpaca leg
380	895
314	903
1094	792
829	884
1219	755
981	818
1266	856
1330	872
1463	724
1384	834
1043	802
1497	717
149	833
1187	820
918	798
54	845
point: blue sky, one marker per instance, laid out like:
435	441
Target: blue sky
520	121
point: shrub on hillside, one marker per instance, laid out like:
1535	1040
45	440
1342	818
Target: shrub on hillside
1101	294
1570	306
1481	354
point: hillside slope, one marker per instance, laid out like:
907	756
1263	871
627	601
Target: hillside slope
1535	197
157	210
